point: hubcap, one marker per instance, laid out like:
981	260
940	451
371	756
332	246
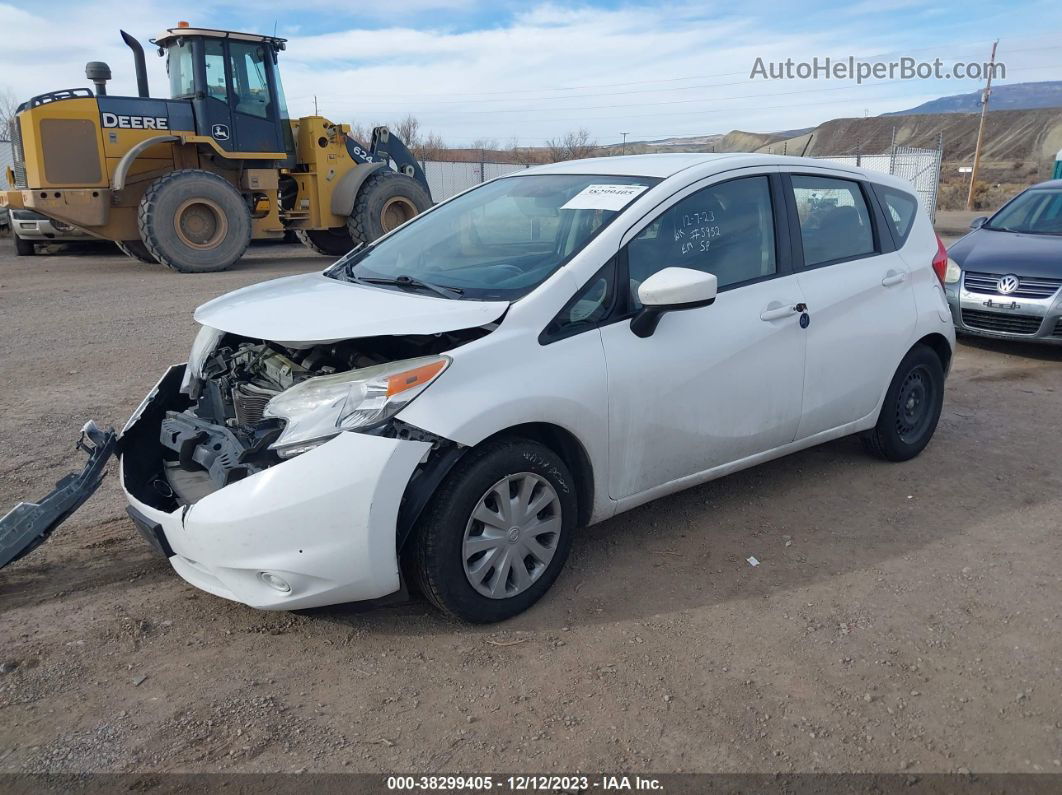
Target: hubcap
913	405
200	223
396	212
512	535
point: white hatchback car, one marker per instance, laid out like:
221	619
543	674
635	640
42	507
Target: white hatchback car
536	354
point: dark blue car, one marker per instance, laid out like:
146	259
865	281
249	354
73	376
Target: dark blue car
1003	278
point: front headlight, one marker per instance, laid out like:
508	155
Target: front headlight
319	408
205	342
953	273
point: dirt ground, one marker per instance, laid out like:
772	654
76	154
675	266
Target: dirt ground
903	616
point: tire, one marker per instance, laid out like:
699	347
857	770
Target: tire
213	219
387	199
330	242
24	248
911	409
135	249
439	556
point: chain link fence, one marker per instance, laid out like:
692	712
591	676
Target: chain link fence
920	167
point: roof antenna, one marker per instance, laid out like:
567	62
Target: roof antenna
274	28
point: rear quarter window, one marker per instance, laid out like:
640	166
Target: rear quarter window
900	211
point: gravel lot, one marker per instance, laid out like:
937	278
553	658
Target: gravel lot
903	617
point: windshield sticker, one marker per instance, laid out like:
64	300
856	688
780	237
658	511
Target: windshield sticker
603	197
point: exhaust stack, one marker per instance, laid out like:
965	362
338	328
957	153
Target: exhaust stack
139	63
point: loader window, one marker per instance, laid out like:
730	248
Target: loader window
179	66
249	74
214	53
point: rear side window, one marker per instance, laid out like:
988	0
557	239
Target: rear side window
834	219
900	211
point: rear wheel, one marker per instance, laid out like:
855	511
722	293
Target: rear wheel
495	536
194	222
330	242
911	409
24	248
135	249
386	201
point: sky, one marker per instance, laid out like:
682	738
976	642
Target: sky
505	72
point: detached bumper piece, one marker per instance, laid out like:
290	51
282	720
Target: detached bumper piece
28	524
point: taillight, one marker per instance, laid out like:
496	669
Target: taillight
940	262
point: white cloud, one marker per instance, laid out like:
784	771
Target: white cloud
651	70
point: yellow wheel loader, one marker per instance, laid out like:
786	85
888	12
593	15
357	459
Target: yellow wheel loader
189	181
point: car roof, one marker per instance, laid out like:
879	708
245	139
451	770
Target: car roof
668	164
1051	183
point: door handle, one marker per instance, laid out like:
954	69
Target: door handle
777	311
893	278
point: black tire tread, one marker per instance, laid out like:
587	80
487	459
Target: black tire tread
424	544
359	217
146	217
135	249
313	241
876	441
23	248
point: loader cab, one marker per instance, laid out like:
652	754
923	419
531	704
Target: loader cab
234	86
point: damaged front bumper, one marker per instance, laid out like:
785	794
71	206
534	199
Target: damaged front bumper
28	524
314	530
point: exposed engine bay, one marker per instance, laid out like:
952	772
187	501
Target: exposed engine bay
224	435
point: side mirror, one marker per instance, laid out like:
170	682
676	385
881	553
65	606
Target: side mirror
977	223
671	290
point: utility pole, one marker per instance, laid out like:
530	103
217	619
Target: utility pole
624	142
981	127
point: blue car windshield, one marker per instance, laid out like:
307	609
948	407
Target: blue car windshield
1035	212
497	242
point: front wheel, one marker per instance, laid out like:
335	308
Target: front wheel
495	536
194	221
911	409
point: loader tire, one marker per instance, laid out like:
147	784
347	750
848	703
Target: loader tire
330	242
386	200
23	248
194	222
135	249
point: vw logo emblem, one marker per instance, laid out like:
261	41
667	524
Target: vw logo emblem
1007	284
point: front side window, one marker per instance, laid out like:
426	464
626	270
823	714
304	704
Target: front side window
249	78
591	305
834	219
726	229
1035	212
499	241
179	67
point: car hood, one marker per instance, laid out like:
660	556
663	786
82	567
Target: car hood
988	251
314	308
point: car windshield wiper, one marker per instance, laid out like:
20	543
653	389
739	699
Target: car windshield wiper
410	282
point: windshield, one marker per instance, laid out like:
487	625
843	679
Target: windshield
1036	212
497	242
